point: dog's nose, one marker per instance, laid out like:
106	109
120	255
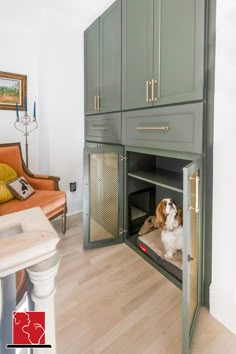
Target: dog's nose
170	203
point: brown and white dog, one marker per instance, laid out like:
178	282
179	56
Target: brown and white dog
170	221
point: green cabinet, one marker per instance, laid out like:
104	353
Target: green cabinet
162	52
102	41
163	58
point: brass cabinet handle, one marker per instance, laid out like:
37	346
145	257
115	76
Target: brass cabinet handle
165	128
196	208
95	103
147	91
99	105
155	98
147	98
153	90
99	127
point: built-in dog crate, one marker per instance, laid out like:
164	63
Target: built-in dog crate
123	188
150	179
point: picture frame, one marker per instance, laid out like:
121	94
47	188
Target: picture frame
13	89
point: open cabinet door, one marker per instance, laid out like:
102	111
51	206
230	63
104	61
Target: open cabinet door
192	251
103	195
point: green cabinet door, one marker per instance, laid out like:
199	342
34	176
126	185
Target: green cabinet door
91	63
137	52
178	50
103	217
110	59
192	251
163	42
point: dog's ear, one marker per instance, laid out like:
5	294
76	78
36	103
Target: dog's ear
160	215
179	216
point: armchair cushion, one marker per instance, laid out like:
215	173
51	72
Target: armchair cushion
7	174
51	202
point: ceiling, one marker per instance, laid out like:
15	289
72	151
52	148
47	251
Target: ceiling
30	12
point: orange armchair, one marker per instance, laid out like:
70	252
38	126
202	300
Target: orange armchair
47	194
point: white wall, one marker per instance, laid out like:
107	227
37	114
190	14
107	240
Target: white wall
44	40
18	55
223	288
61	102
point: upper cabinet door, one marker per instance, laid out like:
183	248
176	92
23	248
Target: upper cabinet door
110	59
163	46
137	53
91	62
178	50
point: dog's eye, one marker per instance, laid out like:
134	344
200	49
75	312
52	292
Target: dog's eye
164	203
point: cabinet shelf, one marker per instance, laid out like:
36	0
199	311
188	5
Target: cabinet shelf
160	177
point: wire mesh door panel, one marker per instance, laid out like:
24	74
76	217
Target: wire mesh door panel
104	196
191	251
103	211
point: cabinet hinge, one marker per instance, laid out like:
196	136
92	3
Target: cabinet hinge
123	158
122	231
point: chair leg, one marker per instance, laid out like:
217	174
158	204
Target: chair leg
64	221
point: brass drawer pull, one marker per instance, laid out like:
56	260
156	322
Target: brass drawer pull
99	127
196	208
165	128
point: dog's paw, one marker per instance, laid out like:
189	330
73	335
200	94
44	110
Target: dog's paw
168	255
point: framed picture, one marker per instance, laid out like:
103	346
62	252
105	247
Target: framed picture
13	89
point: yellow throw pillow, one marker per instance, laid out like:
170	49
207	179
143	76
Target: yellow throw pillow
7	174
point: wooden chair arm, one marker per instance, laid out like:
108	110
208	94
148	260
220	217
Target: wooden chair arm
43	182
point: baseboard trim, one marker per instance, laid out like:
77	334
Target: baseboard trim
223	307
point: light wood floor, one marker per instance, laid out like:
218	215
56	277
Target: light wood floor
111	301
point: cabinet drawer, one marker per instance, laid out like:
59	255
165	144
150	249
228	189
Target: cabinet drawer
104	128
177	128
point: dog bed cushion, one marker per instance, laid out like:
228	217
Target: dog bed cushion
152	245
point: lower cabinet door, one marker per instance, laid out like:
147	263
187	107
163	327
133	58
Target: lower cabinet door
103	195
192	251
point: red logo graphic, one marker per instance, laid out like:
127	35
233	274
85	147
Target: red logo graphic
29	328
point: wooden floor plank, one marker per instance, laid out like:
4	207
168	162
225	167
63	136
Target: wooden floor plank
110	301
